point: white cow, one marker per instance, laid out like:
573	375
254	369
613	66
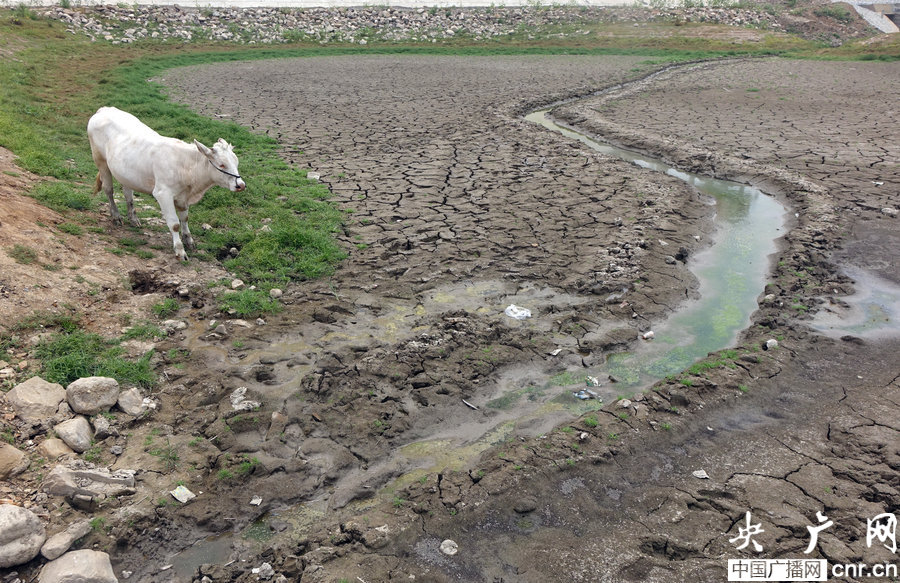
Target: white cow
177	174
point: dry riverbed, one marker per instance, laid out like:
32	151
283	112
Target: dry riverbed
364	449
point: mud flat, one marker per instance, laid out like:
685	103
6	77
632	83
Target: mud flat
458	207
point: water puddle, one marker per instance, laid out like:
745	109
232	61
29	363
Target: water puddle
732	273
872	312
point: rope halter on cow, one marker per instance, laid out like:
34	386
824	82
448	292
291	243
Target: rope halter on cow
238	176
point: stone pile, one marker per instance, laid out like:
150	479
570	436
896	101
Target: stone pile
129	23
78	416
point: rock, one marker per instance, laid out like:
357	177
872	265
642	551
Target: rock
131	402
103	428
21	535
76	433
891	212
36	399
12	461
275	293
66	481
449	547
52	448
60	542
84	566
700	474
172	326
648	335
91	395
237	284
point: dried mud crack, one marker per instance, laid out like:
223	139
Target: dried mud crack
364	452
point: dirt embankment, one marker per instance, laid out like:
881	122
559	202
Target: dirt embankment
457	208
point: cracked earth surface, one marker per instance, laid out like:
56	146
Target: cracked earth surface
460	207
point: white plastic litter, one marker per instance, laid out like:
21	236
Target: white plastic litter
182	494
516	312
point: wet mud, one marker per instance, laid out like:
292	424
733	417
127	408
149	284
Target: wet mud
401	407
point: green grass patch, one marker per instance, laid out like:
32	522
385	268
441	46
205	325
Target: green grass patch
71	229
143	331
63	196
249	302
68	356
165	309
22	254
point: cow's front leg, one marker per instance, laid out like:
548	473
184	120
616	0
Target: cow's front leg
185	231
129	200
167	206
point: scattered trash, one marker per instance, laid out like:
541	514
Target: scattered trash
878	183
583	436
469	405
313	175
255	501
624	404
182	494
592	382
517	313
240	402
556	352
449	547
264	571
700	474
770	344
648	335
583	395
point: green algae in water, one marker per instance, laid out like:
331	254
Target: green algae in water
512	397
259	531
731	272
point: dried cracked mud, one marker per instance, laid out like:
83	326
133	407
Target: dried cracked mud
369	453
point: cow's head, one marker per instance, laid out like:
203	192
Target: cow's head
223	159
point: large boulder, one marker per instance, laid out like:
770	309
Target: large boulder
92	395
76	433
60	542
21	535
36	399
84	566
52	448
91	482
12	461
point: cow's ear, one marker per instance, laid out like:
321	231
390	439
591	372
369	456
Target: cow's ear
203	149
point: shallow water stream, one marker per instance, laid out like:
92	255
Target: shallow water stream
732	273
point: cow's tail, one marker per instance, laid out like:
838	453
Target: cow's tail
98	184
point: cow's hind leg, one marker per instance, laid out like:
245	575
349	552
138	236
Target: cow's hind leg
105	182
129	200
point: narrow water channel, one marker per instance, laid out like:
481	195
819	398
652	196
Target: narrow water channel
732	272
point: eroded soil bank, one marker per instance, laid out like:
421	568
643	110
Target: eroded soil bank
458	207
